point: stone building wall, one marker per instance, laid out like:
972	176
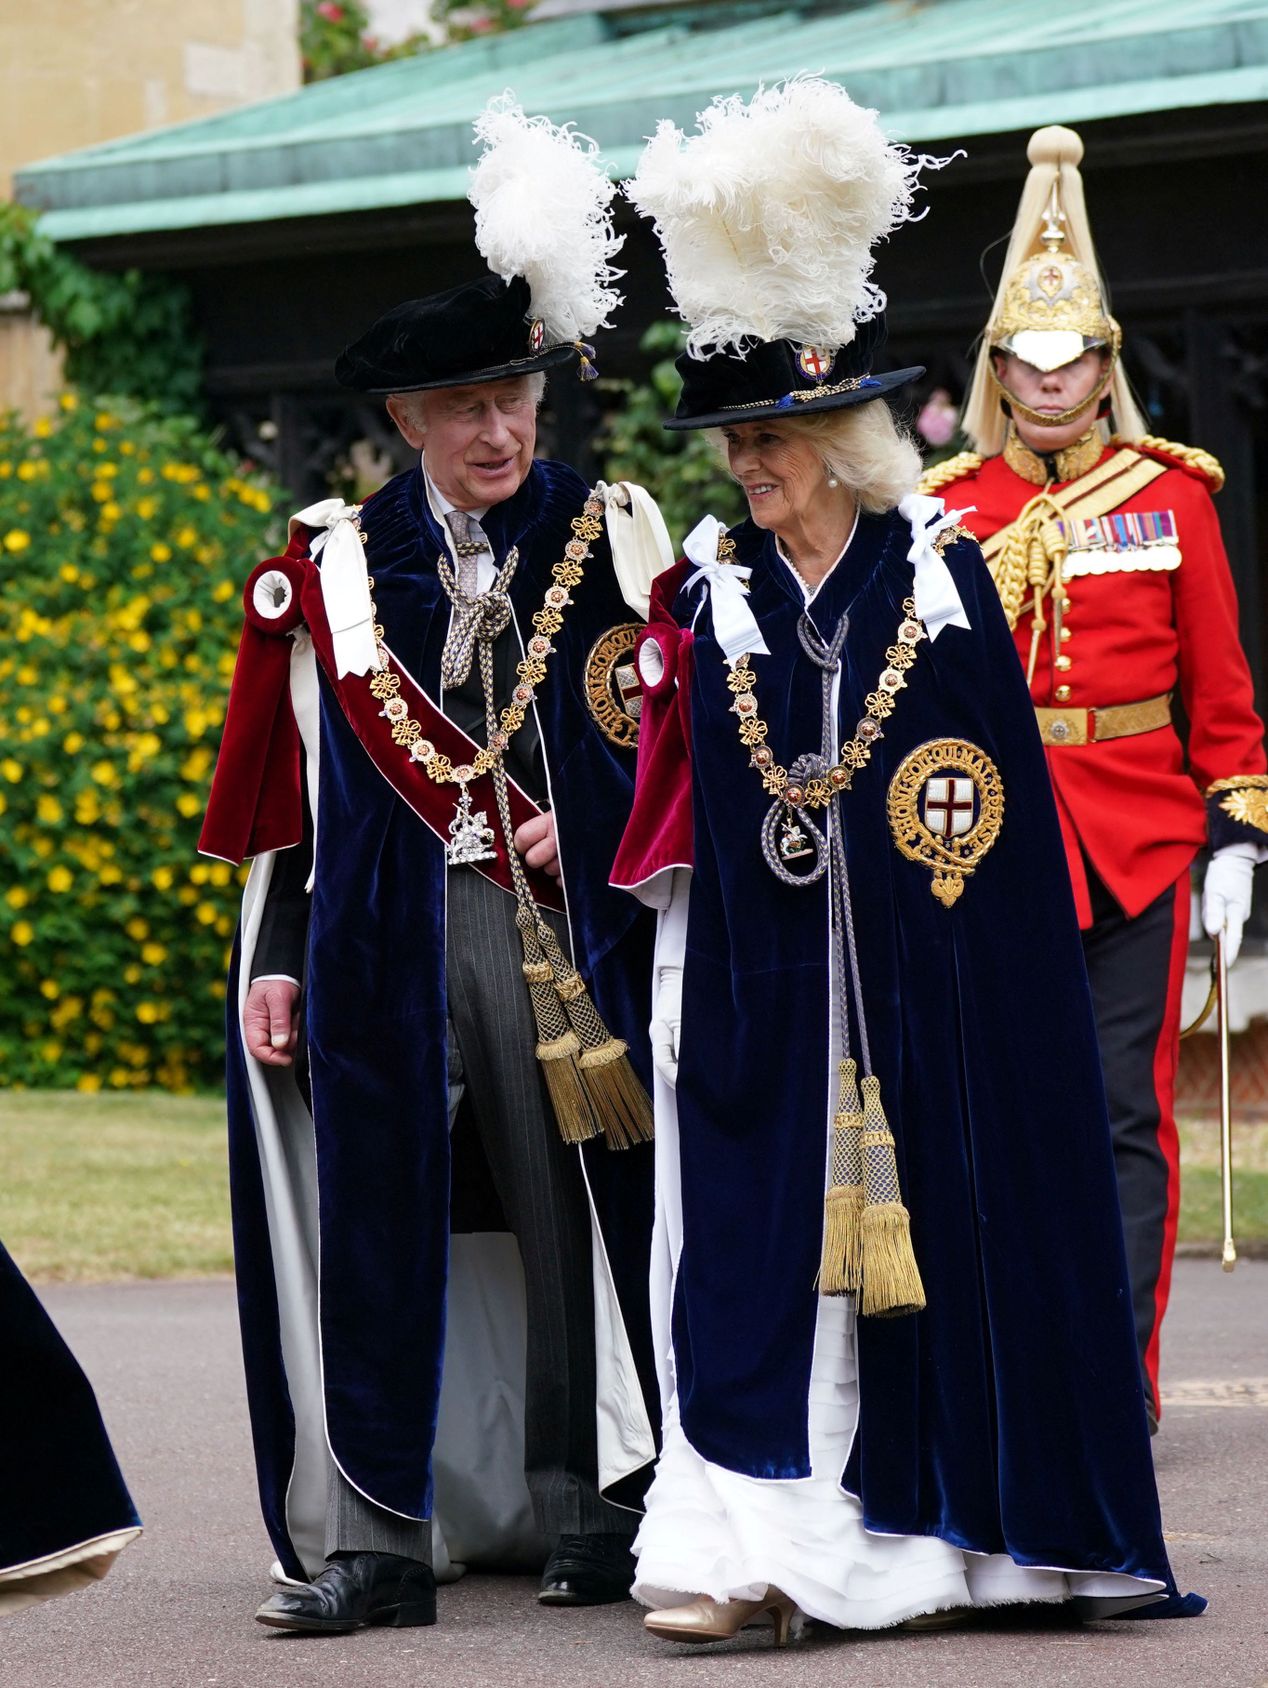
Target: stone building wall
77	72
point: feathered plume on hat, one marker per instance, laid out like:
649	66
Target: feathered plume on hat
769	214
1054	154
543	206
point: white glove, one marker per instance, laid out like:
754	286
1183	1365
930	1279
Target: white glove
666	1026
1226	894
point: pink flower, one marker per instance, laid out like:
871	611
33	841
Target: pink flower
328	10
937	422
481	25
518	5
370	43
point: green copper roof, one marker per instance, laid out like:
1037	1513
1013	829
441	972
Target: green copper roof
400	134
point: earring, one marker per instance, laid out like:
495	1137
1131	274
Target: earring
832	480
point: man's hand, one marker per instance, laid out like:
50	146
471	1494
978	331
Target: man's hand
270	1021
535	841
1226	896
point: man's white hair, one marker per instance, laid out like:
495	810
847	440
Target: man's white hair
415	404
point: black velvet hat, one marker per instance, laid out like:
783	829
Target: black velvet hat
478	331
779	378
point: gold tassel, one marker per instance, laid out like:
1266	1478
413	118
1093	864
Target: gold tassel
557	1044
891	1278
841	1264
840	1270
568	1095
619	1104
617	1096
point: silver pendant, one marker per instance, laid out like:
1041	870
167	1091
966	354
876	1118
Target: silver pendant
471	836
793	843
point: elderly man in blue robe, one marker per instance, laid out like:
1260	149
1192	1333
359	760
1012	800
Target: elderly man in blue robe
437	1010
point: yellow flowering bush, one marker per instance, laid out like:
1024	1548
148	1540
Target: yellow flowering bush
125	537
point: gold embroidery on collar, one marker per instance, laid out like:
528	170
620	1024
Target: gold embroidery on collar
1072	461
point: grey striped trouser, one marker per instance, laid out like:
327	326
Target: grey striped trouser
492	1038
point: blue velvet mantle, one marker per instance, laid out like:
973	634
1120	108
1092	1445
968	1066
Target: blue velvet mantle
1007	1417
376	1021
60	1485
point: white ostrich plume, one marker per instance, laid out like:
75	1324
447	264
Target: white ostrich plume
769	214
543	206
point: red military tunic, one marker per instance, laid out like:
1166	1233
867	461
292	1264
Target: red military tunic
1134	804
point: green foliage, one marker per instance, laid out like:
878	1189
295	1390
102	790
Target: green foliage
333	39
681	471
465	19
334	35
124	538
128	333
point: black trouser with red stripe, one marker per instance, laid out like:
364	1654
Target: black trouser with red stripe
1136	970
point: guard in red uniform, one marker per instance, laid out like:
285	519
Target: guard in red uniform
1107	554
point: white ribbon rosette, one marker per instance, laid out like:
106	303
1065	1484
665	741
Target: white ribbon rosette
938	602
734	625
345	583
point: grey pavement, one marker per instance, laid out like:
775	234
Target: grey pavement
175	1612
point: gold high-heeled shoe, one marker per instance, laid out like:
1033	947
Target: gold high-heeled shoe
719	1620
949	1618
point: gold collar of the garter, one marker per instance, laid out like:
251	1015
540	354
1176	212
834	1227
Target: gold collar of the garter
1071	462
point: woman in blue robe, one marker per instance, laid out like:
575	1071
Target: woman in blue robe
65	1511
889	1293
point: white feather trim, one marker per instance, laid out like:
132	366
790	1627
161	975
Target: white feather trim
769	214
543	208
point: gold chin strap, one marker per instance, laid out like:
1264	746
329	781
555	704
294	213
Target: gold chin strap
1042	419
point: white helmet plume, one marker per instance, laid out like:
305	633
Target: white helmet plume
769	214
543	208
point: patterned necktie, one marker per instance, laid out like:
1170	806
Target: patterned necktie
476	615
469	542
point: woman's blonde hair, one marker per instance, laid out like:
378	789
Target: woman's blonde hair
861	446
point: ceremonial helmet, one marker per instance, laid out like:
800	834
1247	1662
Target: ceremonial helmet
544	228
768	216
1051	305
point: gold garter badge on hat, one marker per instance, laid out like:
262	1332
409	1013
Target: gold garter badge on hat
946	806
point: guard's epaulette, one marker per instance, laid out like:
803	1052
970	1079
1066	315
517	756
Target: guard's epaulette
1184	456
954	468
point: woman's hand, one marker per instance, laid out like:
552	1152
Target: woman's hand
270	1021
535	841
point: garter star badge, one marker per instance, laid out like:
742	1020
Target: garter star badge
537	335
946	806
614	693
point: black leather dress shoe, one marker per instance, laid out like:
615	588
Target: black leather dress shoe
588	1571
355	1590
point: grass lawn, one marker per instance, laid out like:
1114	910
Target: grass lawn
133	1185
136	1186
1200	1211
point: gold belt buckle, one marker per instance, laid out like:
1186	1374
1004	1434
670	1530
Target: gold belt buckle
1061	727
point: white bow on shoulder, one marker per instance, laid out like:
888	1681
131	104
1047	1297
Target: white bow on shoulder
345	583
734	625
938	603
